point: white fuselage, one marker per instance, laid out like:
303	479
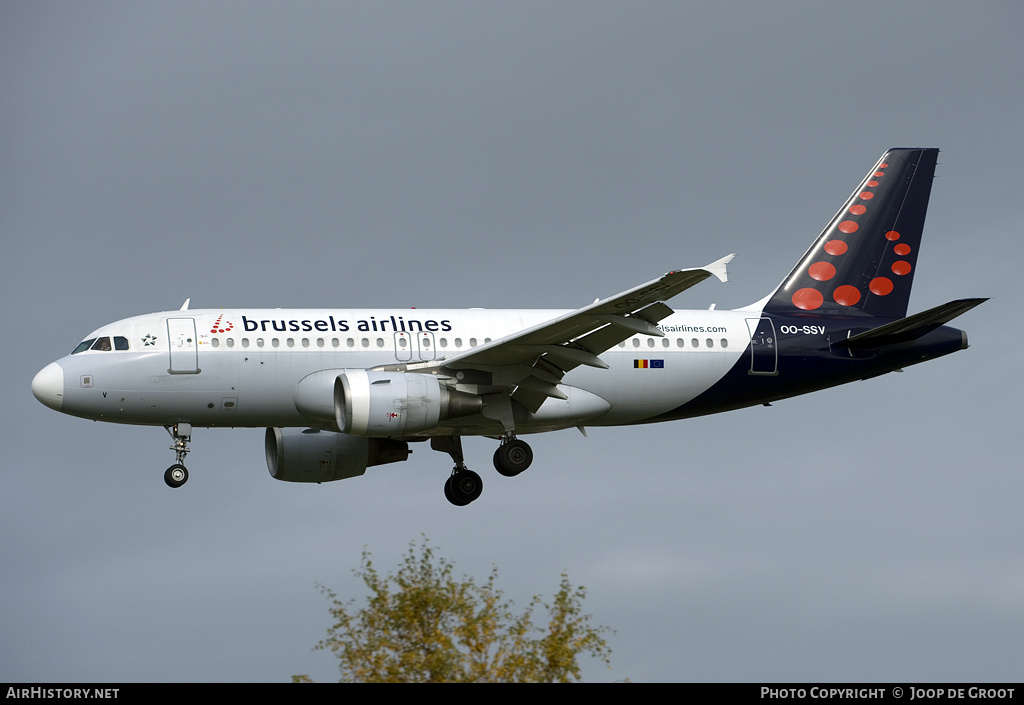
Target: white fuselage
243	367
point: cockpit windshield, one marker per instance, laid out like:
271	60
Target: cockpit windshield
102	344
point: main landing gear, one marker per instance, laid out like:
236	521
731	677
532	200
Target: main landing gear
177	474
512	456
463	485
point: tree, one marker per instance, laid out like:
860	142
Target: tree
421	624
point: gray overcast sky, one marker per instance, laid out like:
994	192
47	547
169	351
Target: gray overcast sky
528	154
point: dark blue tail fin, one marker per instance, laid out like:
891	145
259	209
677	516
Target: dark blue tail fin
864	259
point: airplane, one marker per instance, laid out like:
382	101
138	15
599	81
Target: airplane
340	390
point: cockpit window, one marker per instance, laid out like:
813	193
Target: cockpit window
102	344
84	345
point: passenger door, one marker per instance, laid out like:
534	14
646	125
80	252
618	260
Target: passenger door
181	338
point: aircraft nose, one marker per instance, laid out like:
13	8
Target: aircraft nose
48	386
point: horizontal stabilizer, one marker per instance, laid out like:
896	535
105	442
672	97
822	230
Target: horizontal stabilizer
911	327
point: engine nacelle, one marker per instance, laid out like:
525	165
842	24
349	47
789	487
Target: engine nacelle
388	404
297	455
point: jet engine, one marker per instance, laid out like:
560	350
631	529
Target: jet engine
388	404
297	455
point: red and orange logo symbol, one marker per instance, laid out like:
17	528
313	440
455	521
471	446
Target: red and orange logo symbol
220	326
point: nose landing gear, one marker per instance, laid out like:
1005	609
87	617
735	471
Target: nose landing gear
177	474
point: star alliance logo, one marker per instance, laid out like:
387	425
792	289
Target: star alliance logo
150	339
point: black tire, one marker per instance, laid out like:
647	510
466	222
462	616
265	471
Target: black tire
448	492
463	487
513	457
176	475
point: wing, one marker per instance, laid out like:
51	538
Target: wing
531	362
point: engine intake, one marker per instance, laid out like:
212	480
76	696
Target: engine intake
389	404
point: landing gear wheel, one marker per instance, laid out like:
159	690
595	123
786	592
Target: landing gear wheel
512	457
176	475
181	434
463	487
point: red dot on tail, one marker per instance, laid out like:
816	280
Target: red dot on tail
872	183
846	295
892	235
848	226
808	299
822	271
880	286
901	267
867	195
902	249
858	210
835	247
